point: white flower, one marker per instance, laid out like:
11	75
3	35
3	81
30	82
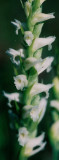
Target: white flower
40	64
22	136
37	112
34	113
20	81
55	104
11	97
40	17
18	25
43	64
15	53
28	37
41	42
27	8
39	88
29	62
34	142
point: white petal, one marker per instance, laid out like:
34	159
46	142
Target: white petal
35	141
20	81
12	96
28	37
55	104
39	88
17	24
38	149
34	113
14	53
39	17
41	42
29	62
23	136
45	63
42	108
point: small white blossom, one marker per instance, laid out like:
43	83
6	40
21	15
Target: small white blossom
34	113
39	88
40	17
15	53
37	112
22	136
28	37
18	25
11	97
41	42
27	8
44	64
20	81
29	62
55	104
38	141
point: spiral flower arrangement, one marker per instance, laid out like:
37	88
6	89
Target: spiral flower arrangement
28	101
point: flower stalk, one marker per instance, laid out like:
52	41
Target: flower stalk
28	65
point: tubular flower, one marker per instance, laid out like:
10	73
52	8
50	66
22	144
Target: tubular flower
41	42
38	141
39	88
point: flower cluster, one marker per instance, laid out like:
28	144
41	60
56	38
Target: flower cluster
29	64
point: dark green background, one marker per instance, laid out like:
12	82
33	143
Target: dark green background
10	10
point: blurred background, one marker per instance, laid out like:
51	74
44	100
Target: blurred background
10	10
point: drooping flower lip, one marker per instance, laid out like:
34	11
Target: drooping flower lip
12	97
17	24
38	141
39	88
16	53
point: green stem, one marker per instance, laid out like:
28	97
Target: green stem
55	154
21	155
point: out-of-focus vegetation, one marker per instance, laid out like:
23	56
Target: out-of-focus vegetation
10	10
